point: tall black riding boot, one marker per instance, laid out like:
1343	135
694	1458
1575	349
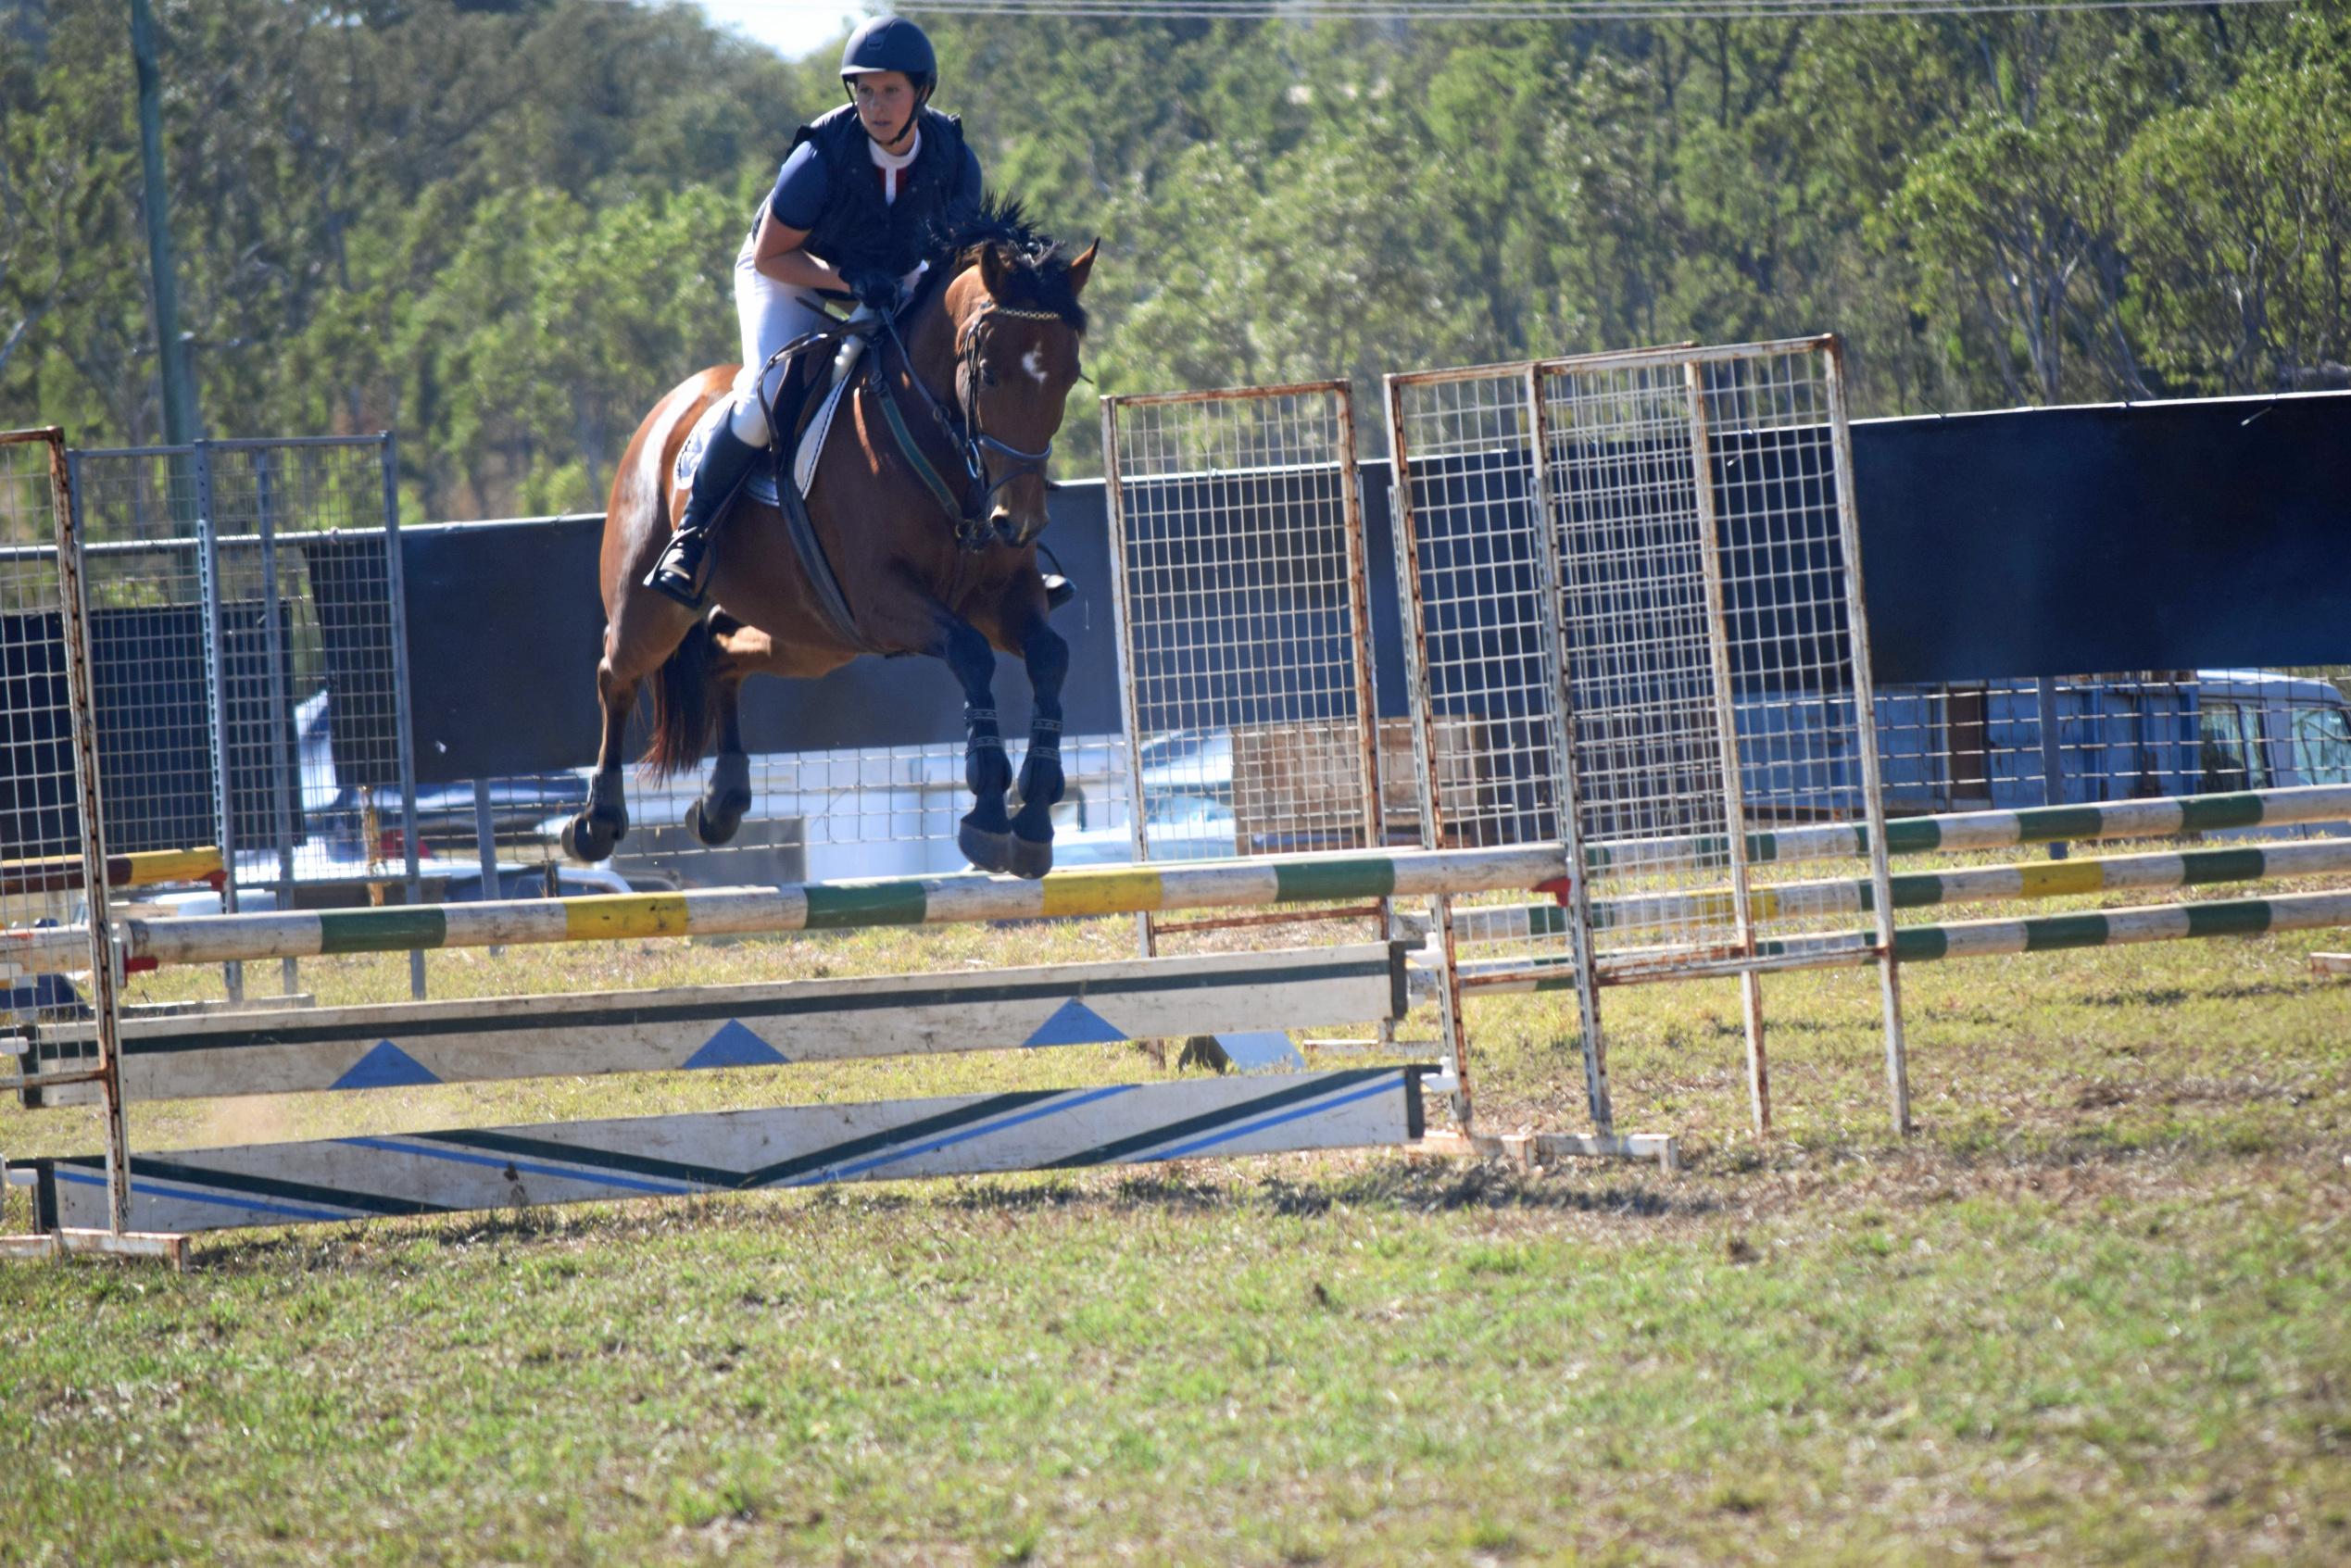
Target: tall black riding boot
682	571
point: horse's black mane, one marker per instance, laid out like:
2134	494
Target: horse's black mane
1036	266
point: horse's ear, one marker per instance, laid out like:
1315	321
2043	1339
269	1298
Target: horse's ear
992	262
1079	269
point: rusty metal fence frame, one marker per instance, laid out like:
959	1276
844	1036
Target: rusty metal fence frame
1244	499
40	578
1571	535
248	528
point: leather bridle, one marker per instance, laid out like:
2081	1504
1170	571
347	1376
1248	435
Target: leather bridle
961	427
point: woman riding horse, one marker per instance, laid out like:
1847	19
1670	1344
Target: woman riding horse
864	189
918	534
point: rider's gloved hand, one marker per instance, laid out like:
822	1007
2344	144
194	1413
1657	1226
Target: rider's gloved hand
877	291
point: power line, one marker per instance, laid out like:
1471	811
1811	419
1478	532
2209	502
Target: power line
1525	10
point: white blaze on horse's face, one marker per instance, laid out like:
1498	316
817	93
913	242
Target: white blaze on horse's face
1023	357
1027	361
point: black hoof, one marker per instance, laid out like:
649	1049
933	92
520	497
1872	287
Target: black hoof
588	840
711	826
1031	858
988	851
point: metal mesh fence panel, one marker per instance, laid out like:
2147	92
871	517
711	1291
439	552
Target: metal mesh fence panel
1713	660
851	812
244	624
1640	613
1481	646
41	870
52	871
1238	544
1636	572
316	726
139	513
1476	580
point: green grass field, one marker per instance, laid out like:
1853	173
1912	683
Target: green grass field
2098	1310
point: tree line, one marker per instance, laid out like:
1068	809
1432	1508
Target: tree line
502	227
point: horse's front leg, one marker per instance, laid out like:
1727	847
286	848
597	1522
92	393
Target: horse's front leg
986	834
1047	654
604	820
644	631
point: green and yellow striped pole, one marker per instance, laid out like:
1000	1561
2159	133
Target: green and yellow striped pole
1978	884
146	868
2167	817
1108	890
1991	938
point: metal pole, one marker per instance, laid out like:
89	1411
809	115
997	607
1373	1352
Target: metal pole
1865	698
485	833
1351	505
1452	1024
215	679
278	726
2053	772
73	623
1734	793
1146	939
397	609
1566	800
179	388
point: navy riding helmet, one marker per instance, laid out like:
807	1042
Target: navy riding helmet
891	43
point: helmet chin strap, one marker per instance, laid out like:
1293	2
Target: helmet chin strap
850	84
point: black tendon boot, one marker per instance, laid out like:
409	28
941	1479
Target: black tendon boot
682	571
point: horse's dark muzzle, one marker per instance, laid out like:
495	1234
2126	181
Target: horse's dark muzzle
1015	531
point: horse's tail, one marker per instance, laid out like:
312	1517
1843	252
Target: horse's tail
685	719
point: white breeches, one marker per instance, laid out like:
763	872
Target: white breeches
771	315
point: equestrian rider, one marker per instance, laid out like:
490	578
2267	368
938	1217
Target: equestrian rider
853	211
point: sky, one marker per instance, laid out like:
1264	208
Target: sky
791	27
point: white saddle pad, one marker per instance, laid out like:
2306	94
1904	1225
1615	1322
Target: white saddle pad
760	486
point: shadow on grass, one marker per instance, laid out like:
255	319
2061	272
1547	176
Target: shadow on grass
2164	995
1402	1187
1716	1180
337	1246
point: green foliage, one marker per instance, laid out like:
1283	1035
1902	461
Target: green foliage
503	228
2240	227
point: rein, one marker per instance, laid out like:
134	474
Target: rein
961	428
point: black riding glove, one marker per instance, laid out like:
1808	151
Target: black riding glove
878	292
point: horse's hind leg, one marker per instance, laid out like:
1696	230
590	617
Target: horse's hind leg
986	834
718	813
1047	655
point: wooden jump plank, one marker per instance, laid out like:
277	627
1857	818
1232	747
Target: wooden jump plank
740	1150
2330	963
450	1042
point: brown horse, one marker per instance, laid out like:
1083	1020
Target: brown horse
968	385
